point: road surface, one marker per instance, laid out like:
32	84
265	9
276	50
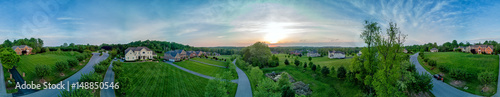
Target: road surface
440	88
74	78
109	77
244	87
3	88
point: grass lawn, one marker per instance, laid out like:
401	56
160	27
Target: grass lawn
471	63
322	61
203	68
28	63
150	79
209	61
322	86
228	57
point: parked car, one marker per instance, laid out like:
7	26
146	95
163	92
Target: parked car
438	77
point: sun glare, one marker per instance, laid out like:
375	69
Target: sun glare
276	32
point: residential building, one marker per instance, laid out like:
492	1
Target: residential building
313	54
296	52
138	53
434	50
336	54
176	55
480	49
405	51
23	50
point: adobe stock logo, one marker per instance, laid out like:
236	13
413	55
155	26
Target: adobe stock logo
40	19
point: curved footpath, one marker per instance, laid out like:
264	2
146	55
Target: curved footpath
196	73
109	77
74	78
244	88
440	88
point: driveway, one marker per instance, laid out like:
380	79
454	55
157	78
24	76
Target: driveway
3	90
74	78
440	88
244	86
109	77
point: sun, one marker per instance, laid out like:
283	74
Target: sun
276	32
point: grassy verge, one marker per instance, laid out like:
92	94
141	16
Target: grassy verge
228	57
209	61
150	79
471	63
203	68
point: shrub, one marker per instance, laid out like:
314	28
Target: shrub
80	57
73	62
77	93
443	68
286	91
426	59
91	77
460	74
486	77
313	67
61	66
341	72
42	70
286	62
325	71
432	62
124	83
100	68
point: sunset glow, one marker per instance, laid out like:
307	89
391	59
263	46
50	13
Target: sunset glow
276	32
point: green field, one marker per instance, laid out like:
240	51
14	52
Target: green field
322	61
209	61
203	68
474	64
28	63
228	57
152	79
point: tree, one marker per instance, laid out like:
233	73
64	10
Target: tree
305	65
42	70
486	77
363	67
341	72
310	58
9	58
47	49
215	88
7	43
255	74
297	62
454	43
325	71
77	93
61	66
257	54
313	67
332	70
73	62
267	88
286	62
284	80
286	91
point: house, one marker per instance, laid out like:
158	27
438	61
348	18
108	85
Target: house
191	54
480	49
405	51
434	50
313	54
274	52
176	55
296	52
138	53
336	54
198	53
23	50
359	53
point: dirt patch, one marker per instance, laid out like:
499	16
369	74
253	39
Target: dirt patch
458	83
73	69
42	80
487	89
80	64
61	74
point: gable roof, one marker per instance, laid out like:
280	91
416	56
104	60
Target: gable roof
136	49
20	46
434	49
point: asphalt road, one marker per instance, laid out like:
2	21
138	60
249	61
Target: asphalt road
440	88
109	77
3	90
74	78
244	87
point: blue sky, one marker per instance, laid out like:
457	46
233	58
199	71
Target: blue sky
241	23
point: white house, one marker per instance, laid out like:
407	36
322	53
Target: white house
137	53
434	50
336	54
313	54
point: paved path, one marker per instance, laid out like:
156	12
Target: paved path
207	63
498	83
109	77
74	78
19	79
244	87
440	88
196	73
3	88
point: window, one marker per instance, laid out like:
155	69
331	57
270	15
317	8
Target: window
143	52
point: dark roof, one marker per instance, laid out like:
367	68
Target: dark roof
20	46
172	53
136	49
313	52
339	52
434	49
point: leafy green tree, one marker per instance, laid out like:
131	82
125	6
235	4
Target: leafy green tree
61	66
255	74
486	77
215	88
73	62
286	62
267	88
286	91
332	70
297	62
305	65
9	58
42	70
92	77
124	83
47	49
364	67
257	54
313	67
7	43
284	80
341	72
325	71
76	93
310	58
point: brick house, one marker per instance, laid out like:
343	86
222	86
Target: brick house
480	49
23	50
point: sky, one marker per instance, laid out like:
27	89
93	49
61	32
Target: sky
211	23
